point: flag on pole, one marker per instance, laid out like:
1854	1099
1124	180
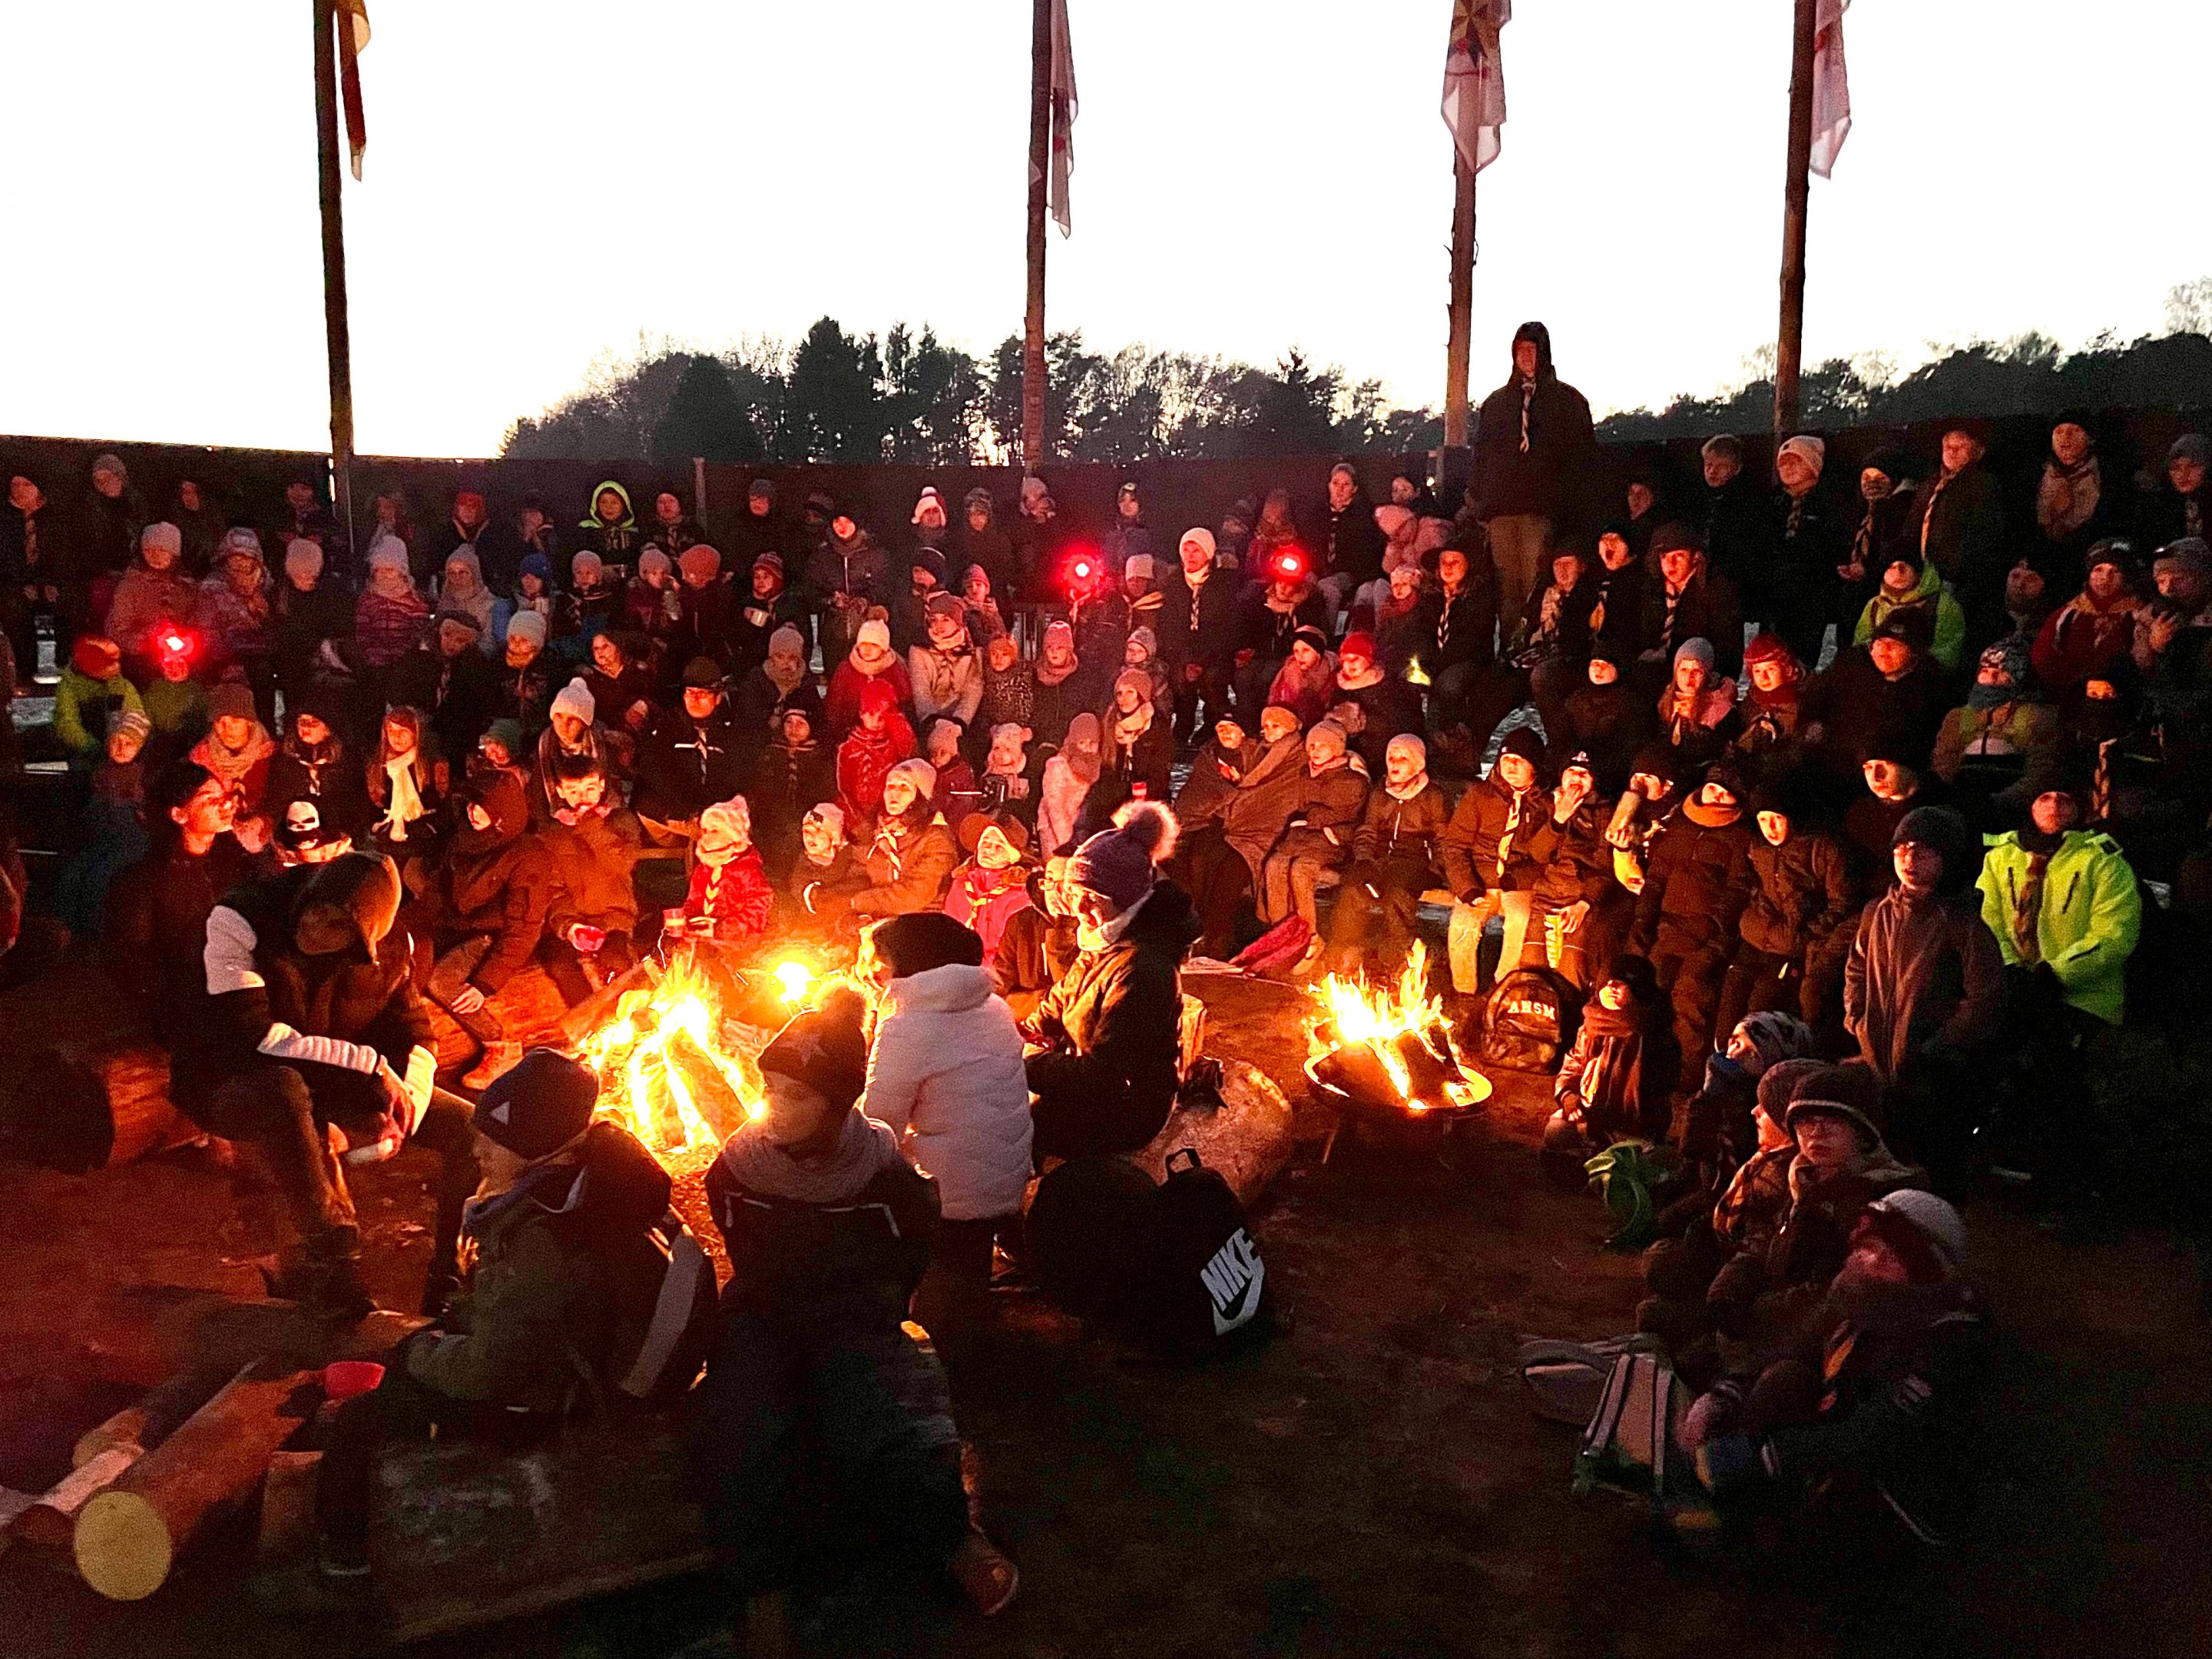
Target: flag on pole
1831	86
352	21
1474	79
1063	117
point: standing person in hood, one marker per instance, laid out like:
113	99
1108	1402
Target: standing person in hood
827	1229
1925	991
1532	444
1799	593
945	1075
1109	1033
1958	526
316	1027
1732	515
1697	878
979	539
1392	853
2179	502
611	528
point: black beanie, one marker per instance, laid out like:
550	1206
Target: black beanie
825	1047
538	1105
924	939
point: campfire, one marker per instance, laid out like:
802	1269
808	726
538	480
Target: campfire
1388	1046
675	1069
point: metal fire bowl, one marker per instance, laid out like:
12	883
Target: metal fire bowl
1393	1112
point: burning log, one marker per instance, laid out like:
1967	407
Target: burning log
1389	1048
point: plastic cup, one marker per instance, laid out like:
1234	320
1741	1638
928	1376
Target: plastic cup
342	1379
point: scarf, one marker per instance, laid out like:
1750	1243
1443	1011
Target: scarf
1612	1076
405	805
1527	401
785	674
1928	512
893	836
1050	674
2028	898
864	1150
1863	539
1419	782
1444	619
1514	804
1667	631
314	760
2066	498
1130	727
231	765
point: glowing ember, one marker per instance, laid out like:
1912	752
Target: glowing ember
1402	1026
666	1074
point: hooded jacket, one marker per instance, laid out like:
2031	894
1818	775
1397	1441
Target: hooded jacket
1117	1014
1392	829
590	863
264	992
1539	478
1944	623
945	1074
496	881
908	868
2088	921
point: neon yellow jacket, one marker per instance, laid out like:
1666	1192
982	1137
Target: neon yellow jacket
2090	918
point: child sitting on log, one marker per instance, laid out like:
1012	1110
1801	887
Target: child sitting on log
828	1228
558	1231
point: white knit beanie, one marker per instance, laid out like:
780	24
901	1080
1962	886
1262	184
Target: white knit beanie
575	698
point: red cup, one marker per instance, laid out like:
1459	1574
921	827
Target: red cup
342	1379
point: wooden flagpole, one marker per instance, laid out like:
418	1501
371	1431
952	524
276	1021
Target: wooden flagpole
334	278
1459	341
1033	360
1789	344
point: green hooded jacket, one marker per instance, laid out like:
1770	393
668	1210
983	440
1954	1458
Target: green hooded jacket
1950	620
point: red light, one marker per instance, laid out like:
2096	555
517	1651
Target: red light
1083	569
1290	564
173	642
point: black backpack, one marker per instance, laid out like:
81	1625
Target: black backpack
1205	1286
1087	1224
1529	1022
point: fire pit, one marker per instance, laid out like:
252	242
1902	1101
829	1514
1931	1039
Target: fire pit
677	1055
1385	1052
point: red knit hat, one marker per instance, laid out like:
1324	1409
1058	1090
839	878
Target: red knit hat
95	658
1361	645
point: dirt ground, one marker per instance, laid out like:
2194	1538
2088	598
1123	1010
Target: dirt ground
1371	1483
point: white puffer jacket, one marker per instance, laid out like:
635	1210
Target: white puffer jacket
947	1074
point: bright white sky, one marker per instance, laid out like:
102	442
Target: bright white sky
548	178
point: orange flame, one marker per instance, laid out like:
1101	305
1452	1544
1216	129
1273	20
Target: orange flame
660	1088
1355	1014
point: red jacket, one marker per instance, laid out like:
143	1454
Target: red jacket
842	707
736	894
864	760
